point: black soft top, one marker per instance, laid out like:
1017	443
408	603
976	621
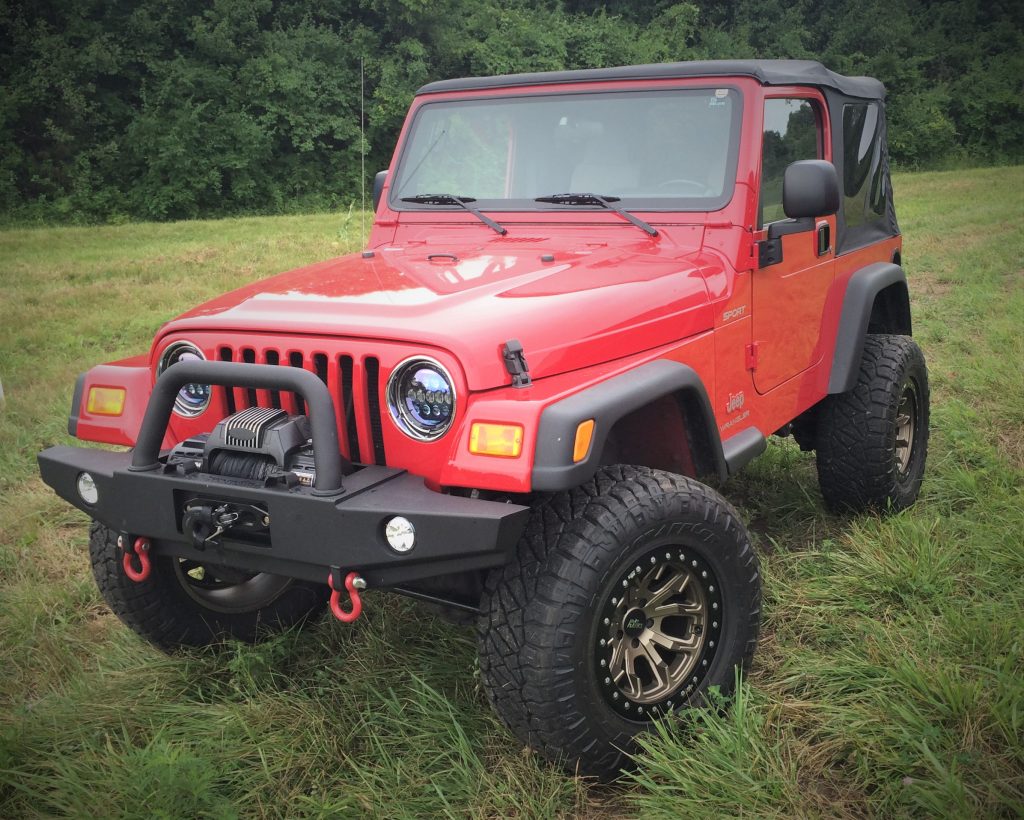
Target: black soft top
767	72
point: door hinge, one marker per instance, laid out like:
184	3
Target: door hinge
753	350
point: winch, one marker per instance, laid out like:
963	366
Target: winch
257	444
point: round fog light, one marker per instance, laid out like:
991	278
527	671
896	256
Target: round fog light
401	534
87	488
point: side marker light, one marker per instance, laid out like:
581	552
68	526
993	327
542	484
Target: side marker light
584	435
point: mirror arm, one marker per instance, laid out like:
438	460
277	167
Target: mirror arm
788	226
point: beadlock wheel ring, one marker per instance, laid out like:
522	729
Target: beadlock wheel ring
658	630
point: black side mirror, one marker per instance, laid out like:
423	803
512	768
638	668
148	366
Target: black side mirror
810	188
378	187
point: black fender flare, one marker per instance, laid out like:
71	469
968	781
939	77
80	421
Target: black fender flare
864	285
606	403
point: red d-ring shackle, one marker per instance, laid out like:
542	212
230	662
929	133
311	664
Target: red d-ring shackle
353	583
141	549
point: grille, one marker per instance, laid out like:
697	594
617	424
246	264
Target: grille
353	382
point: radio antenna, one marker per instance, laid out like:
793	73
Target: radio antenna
362	154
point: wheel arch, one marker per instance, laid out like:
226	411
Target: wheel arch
876	301
663	396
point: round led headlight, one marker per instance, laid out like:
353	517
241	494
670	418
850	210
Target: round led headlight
421	397
192	399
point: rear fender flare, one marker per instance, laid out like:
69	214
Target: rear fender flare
859	300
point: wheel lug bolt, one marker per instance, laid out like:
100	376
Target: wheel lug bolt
654	560
704	574
604	662
607	621
607	681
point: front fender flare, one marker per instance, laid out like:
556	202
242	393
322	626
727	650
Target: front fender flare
606	403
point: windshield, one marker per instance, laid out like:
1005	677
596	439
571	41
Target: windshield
660	150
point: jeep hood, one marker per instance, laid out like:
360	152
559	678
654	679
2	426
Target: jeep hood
587	305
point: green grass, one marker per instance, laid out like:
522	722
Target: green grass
890	678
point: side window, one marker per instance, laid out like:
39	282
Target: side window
864	195
792	131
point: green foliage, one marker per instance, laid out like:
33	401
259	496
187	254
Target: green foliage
180	109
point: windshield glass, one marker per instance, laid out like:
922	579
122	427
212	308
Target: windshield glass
671	149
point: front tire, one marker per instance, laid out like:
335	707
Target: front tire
872	441
630	596
187	604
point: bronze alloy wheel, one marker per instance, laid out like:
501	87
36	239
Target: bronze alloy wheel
658	632
906	425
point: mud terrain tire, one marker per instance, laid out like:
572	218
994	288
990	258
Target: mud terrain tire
171	609
872	441
597	552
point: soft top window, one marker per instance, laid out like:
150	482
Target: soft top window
865	194
669	149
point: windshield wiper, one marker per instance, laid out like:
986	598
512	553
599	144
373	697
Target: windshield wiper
461	201
596	199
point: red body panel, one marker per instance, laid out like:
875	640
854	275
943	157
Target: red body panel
610	299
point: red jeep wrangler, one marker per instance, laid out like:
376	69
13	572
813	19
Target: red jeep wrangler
583	291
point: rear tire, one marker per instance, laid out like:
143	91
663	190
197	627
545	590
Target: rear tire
872	441
183	604
609	575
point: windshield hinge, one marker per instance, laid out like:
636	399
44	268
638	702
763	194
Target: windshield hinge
515	363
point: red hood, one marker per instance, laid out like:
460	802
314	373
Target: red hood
592	304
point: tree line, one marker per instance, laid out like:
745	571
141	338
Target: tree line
168	109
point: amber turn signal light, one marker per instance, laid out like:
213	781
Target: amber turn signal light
504	440
105	401
584	435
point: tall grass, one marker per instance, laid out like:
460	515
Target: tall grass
890	679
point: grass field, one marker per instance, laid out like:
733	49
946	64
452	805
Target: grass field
890	679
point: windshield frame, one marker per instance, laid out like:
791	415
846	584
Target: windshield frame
640	204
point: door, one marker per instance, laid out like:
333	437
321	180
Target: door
791	284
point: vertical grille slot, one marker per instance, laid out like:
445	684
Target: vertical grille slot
320	366
249	357
347	405
295	360
372	365
274	358
224	354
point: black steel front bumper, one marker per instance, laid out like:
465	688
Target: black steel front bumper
339	523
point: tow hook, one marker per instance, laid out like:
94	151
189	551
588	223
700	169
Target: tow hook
140	549
353	583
